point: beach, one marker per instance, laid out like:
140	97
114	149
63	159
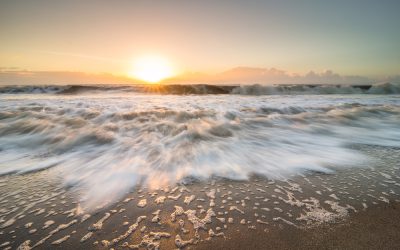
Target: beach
111	170
351	209
374	228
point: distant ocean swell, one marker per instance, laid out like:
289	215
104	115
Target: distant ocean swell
202	89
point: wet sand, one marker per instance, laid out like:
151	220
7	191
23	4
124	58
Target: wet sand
376	228
352	208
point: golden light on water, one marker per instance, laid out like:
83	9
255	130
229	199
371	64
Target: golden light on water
151	69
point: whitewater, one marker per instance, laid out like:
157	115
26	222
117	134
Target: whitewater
107	140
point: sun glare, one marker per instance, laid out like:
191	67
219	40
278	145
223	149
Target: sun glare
151	69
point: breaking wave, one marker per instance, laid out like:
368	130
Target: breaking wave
107	145
203	89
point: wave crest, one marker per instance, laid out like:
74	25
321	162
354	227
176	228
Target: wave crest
205	89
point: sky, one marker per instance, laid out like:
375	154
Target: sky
202	40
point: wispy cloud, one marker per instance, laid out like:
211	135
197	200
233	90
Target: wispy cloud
251	75
84	56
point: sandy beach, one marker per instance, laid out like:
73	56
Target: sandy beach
376	228
351	209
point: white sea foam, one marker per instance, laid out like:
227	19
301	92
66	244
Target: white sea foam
107	144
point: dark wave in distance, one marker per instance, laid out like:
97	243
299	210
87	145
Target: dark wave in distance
205	89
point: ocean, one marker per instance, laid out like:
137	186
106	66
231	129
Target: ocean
106	140
104	166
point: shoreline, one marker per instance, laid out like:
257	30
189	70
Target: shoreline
314	211
352	208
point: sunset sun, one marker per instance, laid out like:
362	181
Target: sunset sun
151	69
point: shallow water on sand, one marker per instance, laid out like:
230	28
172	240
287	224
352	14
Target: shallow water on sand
106	144
37	211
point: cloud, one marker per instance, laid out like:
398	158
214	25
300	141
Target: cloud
393	79
238	75
24	77
249	75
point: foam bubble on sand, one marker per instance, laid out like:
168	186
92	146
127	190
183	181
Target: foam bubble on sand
25	245
261	190
334	196
341	211
386	175
184	189
285	221
291	199
211	194
8	223
40	211
58	229
212	203
99	224
212	234
231	208
149	241
317	214
142	203
178	211
28	225
221	219
127	200
156	217
197	222
182	226
130	230
182	243
176	197
86	237
189	199
61	240
261	222
294	186
85	217
386	200
70	212
173	190
5	244
364	205
160	200
47	224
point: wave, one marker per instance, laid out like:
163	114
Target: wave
108	145
204	89
379	88
199	89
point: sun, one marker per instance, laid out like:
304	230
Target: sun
151	69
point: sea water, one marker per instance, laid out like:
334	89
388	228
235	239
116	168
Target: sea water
108	140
